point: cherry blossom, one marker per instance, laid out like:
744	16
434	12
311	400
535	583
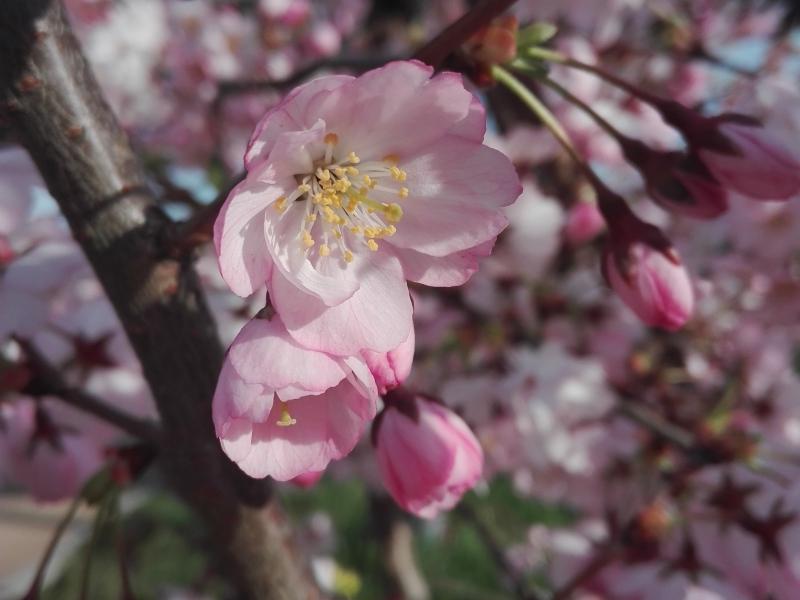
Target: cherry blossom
351	191
282	410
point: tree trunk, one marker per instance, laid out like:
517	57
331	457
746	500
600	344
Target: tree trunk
53	104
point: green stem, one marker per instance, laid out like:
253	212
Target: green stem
552	56
38	579
572	98
104	511
548	119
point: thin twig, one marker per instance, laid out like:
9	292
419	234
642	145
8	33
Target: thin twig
439	48
592	568
51	382
515	582
658	425
38	579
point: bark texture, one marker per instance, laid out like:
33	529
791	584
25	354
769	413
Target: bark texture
51	101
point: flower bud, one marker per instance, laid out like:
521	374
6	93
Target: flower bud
755	164
742	155
390	369
646	272
428	457
496	43
308	479
584	222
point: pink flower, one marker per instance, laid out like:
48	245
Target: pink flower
428	457
50	461
390	369
281	410
750	161
355	185
584	222
651	280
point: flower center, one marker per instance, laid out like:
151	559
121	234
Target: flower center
346	206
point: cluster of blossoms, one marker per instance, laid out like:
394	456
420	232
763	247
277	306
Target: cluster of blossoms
53	305
676	454
354	186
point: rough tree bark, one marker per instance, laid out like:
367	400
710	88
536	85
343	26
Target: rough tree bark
52	102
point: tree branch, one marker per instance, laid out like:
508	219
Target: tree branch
53	102
49	381
439	48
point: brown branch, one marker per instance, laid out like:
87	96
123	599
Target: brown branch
601	559
439	48
54	104
658	425
47	380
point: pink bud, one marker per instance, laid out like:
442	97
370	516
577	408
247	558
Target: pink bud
428	457
754	163
738	151
584	222
390	369
651	280
308	479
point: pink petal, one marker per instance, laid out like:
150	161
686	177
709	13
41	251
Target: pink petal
265	353
289	115
330	280
239	231
234	398
327	428
445	271
395	109
376	317
456	190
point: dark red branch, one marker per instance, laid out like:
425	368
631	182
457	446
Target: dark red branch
48	380
439	48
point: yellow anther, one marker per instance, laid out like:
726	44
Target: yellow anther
331	138
403	192
353	204
342	185
352	171
353	158
323	174
393	212
397	173
337	234
389	230
286	419
308	241
311	218
339	171
348	256
280	204
367	180
303	188
324	250
372	245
